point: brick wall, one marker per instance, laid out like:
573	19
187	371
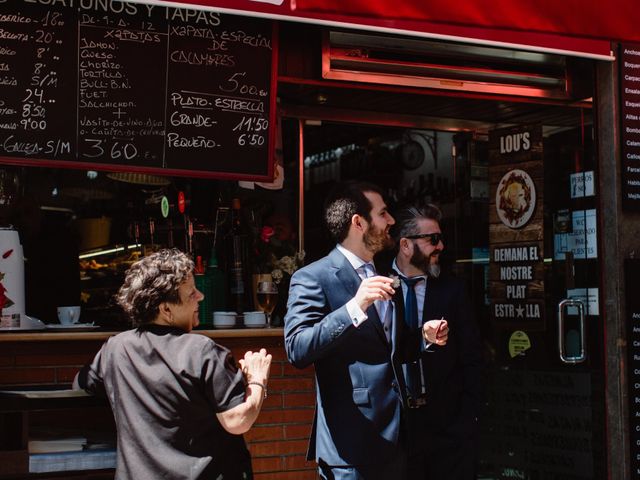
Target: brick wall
277	441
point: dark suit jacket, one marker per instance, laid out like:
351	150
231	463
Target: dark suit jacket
454	372
357	418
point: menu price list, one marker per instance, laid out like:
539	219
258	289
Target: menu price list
35	93
217	104
154	88
632	279
630	125
121	72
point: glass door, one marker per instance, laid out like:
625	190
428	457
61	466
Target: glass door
526	238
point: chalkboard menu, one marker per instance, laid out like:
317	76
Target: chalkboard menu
630	125
112	85
632	279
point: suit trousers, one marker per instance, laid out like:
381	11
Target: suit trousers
393	470
442	457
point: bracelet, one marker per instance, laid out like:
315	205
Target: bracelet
264	389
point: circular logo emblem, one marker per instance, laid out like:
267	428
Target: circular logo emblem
164	207
515	198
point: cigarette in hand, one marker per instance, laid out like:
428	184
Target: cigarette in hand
440	326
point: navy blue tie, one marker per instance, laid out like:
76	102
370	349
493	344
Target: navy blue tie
412	370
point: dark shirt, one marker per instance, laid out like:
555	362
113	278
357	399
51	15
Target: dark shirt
165	387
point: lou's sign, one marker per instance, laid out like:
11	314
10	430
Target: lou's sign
516	266
515	142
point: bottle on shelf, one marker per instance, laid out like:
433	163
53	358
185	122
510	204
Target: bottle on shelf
203	284
237	255
218	284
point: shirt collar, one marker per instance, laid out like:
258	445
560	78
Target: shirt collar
355	261
394	266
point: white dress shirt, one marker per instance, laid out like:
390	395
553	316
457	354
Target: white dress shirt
355	312
421	290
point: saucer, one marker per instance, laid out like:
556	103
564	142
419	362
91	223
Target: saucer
74	326
27	323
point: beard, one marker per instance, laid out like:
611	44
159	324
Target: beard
377	240
424	263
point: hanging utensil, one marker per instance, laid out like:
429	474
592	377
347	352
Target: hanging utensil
152	229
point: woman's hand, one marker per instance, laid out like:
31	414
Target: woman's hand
256	366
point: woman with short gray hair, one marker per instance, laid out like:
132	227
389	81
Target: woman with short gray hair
180	402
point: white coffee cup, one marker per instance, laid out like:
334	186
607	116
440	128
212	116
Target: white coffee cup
224	319
254	319
69	315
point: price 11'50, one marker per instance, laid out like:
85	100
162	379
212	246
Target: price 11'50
251	125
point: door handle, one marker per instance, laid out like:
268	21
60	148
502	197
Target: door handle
562	306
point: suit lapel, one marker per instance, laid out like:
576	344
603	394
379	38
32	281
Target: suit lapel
398	301
432	307
399	327
350	280
403	333
399	332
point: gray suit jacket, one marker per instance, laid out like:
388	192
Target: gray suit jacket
357	418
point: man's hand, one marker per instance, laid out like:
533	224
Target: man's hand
372	289
436	332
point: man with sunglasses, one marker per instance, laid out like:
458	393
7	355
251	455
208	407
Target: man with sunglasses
444	383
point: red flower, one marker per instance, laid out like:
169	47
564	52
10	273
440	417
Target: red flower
3	297
266	233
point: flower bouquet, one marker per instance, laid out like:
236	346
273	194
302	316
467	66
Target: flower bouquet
278	259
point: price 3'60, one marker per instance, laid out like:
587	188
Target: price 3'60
116	151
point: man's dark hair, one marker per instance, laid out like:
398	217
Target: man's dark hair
151	281
346	200
407	220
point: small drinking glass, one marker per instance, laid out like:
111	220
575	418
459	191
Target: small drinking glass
267	294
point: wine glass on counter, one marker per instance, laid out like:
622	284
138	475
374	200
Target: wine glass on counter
267	295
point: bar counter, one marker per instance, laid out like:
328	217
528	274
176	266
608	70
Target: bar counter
45	336
43	359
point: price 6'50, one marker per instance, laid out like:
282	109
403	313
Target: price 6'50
251	139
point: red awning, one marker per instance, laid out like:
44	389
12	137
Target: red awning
570	27
597	19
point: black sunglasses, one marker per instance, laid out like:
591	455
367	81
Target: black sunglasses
434	238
